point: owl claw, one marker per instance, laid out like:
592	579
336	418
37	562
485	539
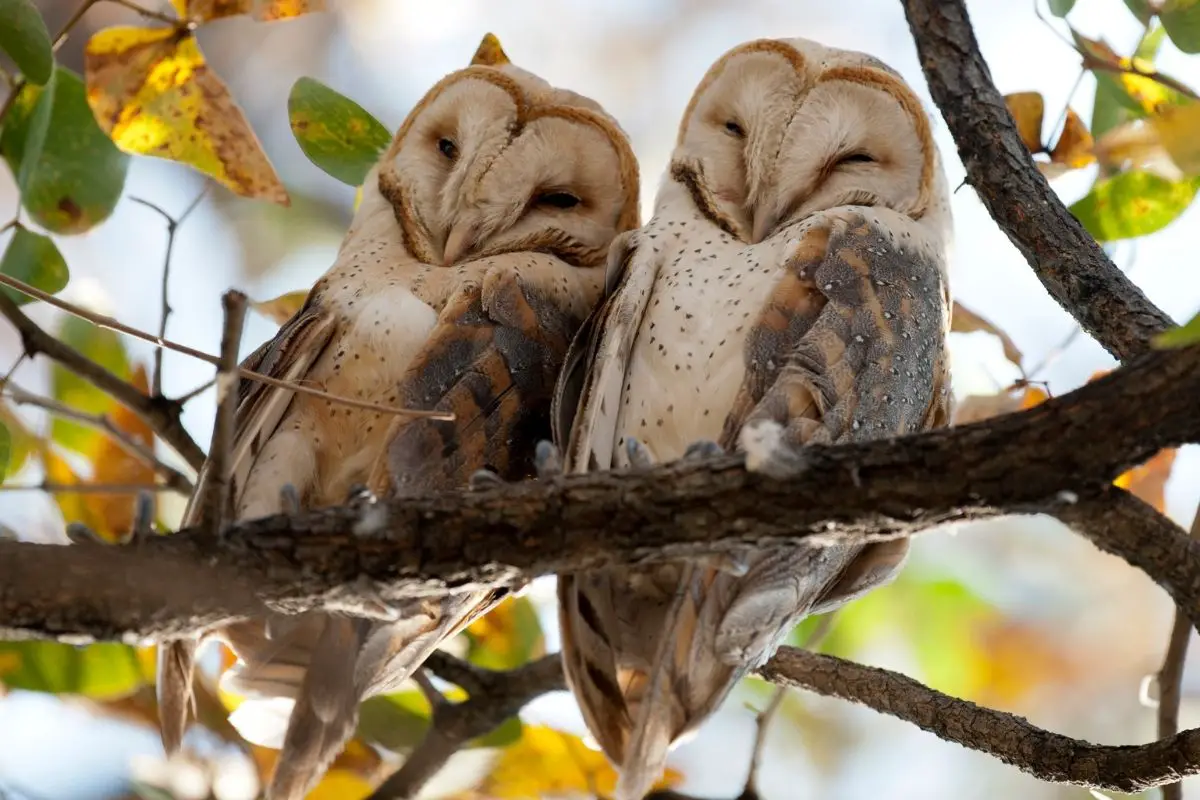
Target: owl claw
705	448
547	460
79	533
143	518
289	498
483	479
638	455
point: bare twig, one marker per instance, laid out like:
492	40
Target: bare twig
51	487
161	414
194	393
174	479
216	504
104	321
1170	677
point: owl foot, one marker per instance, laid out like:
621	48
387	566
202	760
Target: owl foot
143	518
547	460
79	533
484	479
289	498
637	453
705	448
372	514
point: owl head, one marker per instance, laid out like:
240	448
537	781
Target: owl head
493	159
779	129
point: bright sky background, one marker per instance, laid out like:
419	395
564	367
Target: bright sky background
641	60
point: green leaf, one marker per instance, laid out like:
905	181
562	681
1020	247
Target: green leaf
1181	18
508	732
100	671
34	259
102	346
24	37
1060	8
1140	9
5	451
1181	336
508	637
337	134
396	721
69	172
1132	204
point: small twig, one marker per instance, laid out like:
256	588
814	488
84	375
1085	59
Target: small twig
161	414
173	226
1170	677
194	393
175	479
51	487
220	453
104	321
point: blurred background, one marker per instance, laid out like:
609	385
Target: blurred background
1020	614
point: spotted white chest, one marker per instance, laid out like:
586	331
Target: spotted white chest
688	359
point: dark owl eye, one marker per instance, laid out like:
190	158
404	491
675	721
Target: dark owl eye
449	148
733	129
856	158
558	200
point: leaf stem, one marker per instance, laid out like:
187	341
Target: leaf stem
174	22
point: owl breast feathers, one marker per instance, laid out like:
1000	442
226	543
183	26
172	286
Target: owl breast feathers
791	288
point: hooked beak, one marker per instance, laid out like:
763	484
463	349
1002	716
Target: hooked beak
461	239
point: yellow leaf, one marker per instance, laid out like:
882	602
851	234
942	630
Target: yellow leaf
9	662
1074	146
357	198
1148	481
266	10
153	94
978	407
1167	142
1017	659
346	774
340	785
113	464
964	320
1027	109
281	308
546	762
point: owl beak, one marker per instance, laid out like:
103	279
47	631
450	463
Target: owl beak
459	242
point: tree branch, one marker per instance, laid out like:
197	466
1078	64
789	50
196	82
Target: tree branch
161	414
1047	459
1067	260
221	450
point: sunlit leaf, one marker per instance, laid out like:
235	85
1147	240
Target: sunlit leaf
340	784
1027	109
99	671
23	442
1122	95
964	320
507	637
395	721
1132	204
70	174
1181	336
102	346
72	505
336	133
34	259
978	407
24	37
1060	8
208	10
5	451
1181	18
152	91
282	308
1074	146
547	763
113	464
1016	659
1148	481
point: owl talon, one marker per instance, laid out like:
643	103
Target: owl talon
638	455
484	479
547	460
289	498
143	518
705	448
79	533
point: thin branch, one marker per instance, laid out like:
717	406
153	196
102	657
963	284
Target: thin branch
1065	257
194	393
150	14
159	413
220	452
1170	677
174	479
104	321
499	695
50	487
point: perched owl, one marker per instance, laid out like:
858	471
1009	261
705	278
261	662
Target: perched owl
474	257
791	288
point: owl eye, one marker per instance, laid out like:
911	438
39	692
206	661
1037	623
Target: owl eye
733	129
857	158
448	147
558	200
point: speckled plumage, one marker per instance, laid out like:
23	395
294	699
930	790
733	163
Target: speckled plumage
792	286
469	265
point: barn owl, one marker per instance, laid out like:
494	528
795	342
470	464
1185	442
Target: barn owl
476	253
791	288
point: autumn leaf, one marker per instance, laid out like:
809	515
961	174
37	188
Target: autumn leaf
1148	481
335	133
978	407
546	762
1073	150
1165	142
964	320
153	93
282	308
265	10
114	464
1027	109
99	671
507	636
1018	658
1133	204
347	778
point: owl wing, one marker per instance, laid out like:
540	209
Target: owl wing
288	356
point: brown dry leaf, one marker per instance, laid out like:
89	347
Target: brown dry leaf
153	94
1148	481
1018	659
546	763
1074	146
265	10
1027	109
72	505
978	407
964	320
282	308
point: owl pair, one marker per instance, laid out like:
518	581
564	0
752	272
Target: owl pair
790	288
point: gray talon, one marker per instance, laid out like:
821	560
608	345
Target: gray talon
143	517
290	498
639	456
705	448
79	533
547	460
484	479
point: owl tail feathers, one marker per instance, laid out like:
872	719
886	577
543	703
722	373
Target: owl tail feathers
645	753
176	700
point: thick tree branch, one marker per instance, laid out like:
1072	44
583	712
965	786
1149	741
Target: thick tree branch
221	449
1047	459
1067	260
159	413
